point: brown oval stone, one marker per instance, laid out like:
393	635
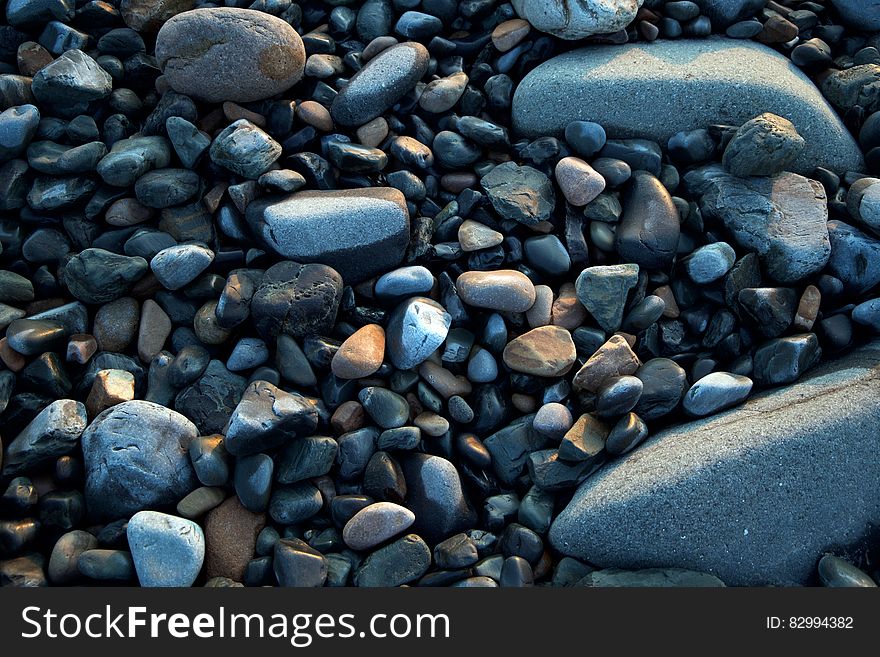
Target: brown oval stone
230	539
361	354
225	53
544	351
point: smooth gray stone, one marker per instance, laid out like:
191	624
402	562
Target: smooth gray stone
136	457
416	329
358	232
64	561
400	562
167	551
244	149
131	158
384	80
657	89
756	492
53	433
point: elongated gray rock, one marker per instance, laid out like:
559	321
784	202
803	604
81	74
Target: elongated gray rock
655	90
51	434
754	496
358	232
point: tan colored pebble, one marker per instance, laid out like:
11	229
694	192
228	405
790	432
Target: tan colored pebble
31	57
109	388
671	310
614	358
539	313
81	347
230	539
154	329
206	327
349	416
443	381
361	354
474	236
505	289
579	182
567	311
212	199
508	35
431	424
544	351
127	212
524	403
233	112
315	115
808	309
11	358
373	133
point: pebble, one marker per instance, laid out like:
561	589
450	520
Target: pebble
375	524
507	35
296	300
441	95
474	236
547	255
772	309
385	79
711	262
306	458
504	290
110	387
253	481
401	562
519	193
63	567
253	55
626	434
553	420
230	539
360	233
415	330
576	21
853	257
31	337
579	182
387	409
265	417
618	395
120	449
167	551
71	84
663	384
103	564
17	127
244	149
834	572
129	159
784	360
649	228
210	460
546	351
614	358
52	433
297	564
716	392
764	146
436	497
293	504
96	276
247	354
603	291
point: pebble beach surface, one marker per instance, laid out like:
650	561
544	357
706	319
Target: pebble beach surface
439	293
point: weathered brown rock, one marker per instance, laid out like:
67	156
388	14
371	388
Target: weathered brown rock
614	358
230	539
544	351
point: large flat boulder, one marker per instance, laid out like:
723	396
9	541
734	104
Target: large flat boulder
753	496
656	89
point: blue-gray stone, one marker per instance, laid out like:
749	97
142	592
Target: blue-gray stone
17	127
136	458
415	330
131	158
855	257
58	160
97	276
655	90
868	314
358	232
181	264
716	392
710	262
52	433
164	188
247	354
245	149
71	84
384	80
188	141
404	282
166	550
